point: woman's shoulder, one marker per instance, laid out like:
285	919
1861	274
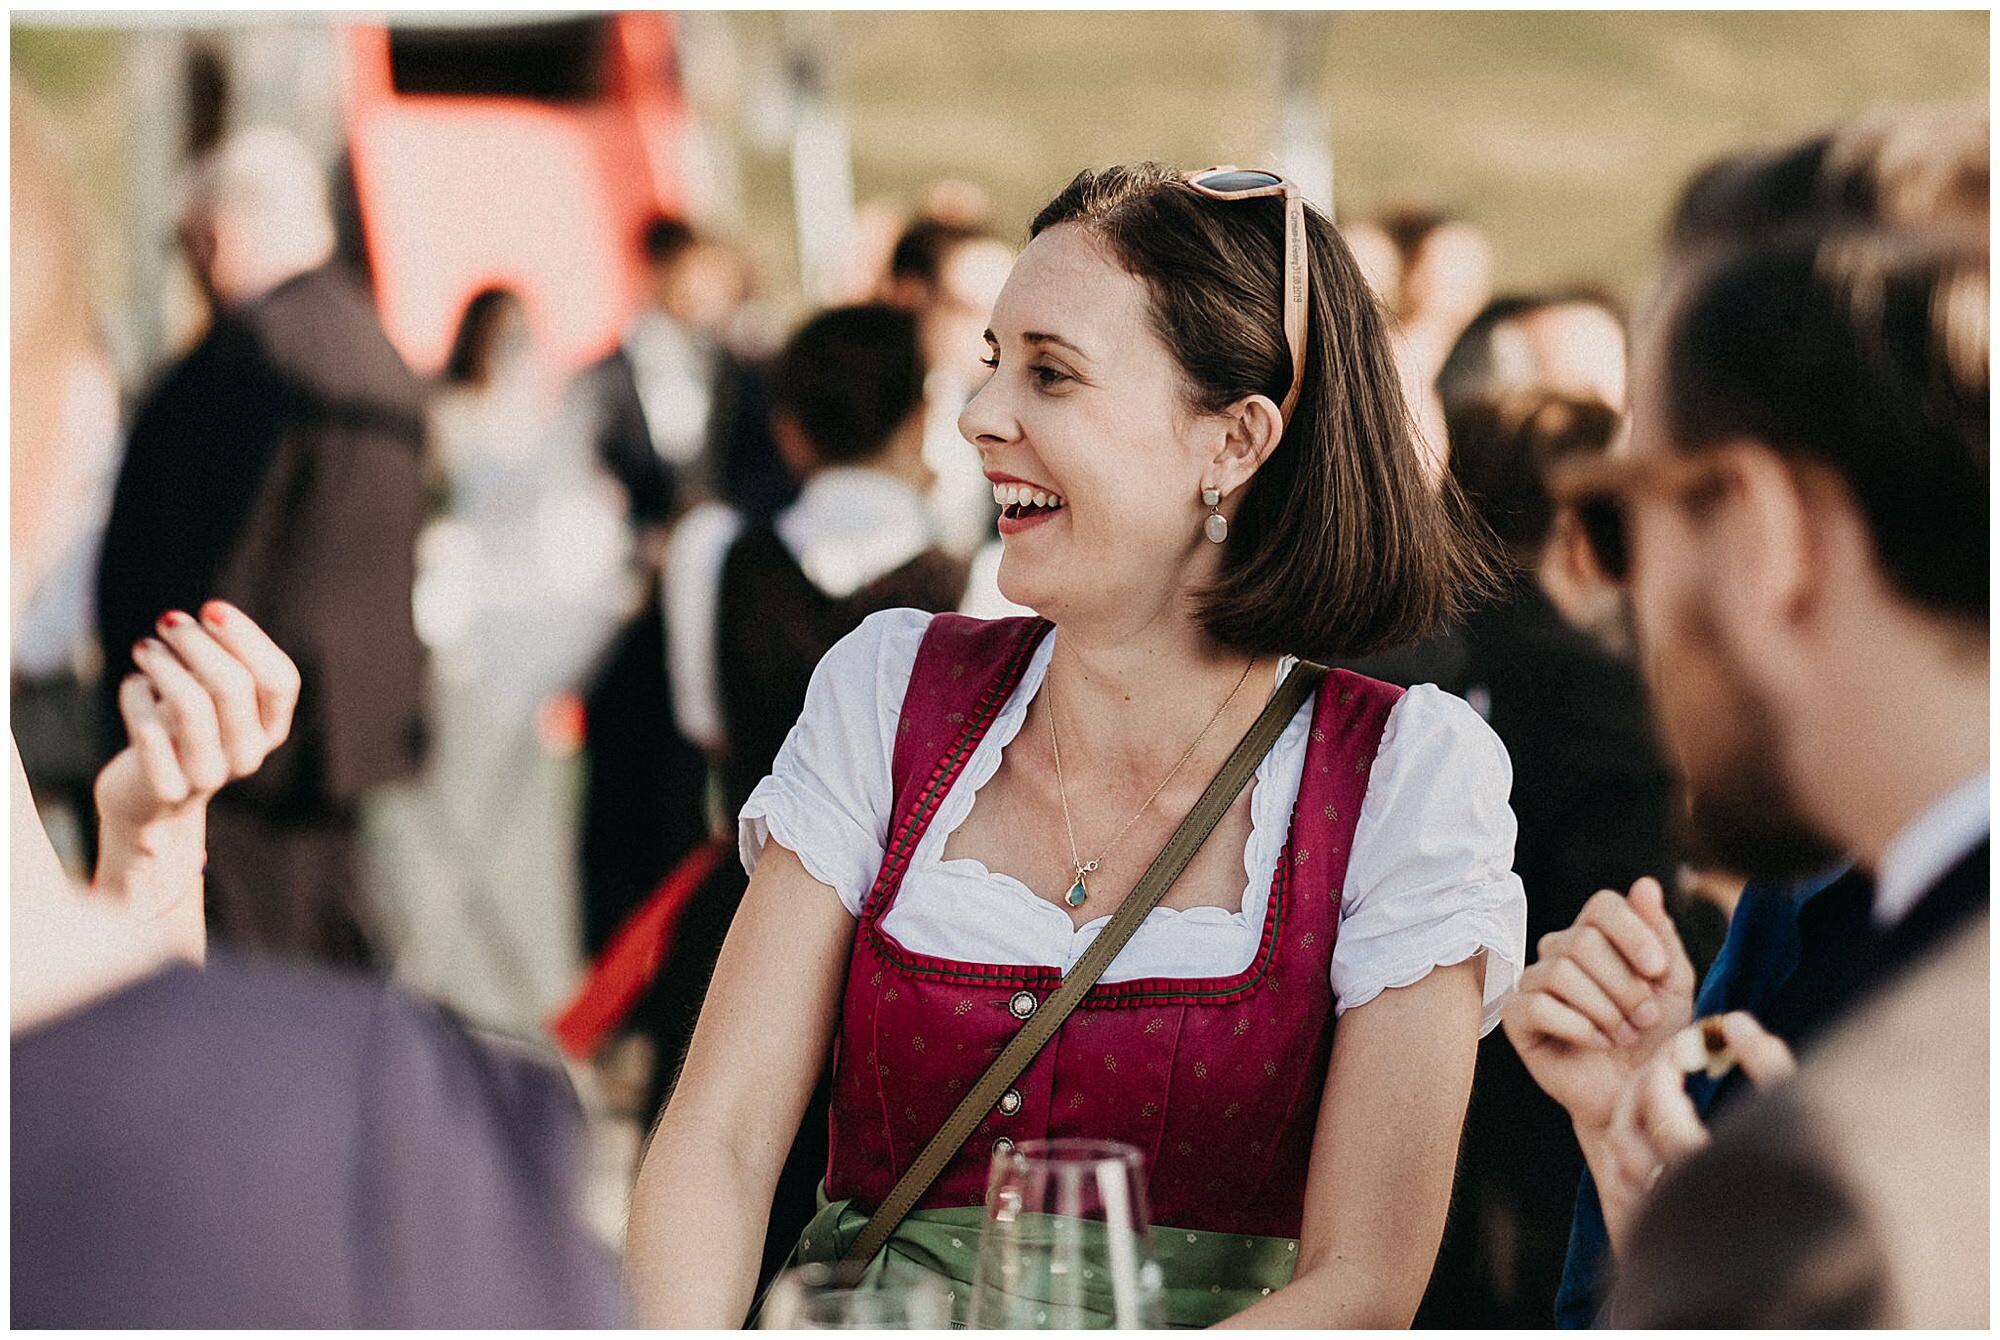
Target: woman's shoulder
1437	725
885	639
1435	745
889	640
881	647
870	670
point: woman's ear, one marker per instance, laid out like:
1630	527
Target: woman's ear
1251	430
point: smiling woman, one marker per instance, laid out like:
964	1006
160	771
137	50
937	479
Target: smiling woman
940	842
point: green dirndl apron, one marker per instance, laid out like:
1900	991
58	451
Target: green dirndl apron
1209	1276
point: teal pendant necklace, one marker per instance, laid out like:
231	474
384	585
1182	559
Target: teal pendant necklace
1079	892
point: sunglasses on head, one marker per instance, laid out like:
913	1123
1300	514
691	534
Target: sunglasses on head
1231	183
1598	492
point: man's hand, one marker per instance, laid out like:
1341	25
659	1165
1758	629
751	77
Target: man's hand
1599	1000
210	701
1654	1127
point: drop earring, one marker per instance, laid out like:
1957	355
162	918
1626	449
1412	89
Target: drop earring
1217	525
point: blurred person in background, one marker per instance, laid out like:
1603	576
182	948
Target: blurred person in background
279	467
752	606
949	274
952	200
1375	252
1139	357
675	417
1800	533
1902	167
62	379
1445	277
1567	340
653	396
1594	800
848	414
202	1139
472	863
1831	180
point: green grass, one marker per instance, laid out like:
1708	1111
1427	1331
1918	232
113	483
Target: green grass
1566	134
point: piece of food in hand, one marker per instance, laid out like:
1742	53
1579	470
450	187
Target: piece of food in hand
1702	1047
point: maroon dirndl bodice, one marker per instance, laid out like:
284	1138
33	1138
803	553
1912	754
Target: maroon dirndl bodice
1217	1080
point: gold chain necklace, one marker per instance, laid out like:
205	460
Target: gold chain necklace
1077	891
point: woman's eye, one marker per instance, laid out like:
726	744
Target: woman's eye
1046	377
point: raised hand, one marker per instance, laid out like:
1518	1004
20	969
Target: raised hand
1598	1001
1654	1126
209	702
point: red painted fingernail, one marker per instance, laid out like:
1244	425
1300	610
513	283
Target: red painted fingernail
139	646
213	614
173	619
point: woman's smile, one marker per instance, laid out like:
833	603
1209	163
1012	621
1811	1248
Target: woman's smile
1024	505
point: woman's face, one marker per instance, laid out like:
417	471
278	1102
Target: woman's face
1084	406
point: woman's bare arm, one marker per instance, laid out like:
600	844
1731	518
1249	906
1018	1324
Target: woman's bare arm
700	1206
1383	1157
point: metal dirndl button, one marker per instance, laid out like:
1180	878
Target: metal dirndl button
1003	1146
1023	1004
1010	1102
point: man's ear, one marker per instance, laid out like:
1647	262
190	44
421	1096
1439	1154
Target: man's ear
1249	432
1764	534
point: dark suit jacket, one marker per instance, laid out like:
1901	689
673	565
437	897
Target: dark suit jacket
278	467
740	463
644	782
255	1145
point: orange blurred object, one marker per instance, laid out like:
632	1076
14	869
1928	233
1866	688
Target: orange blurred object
632	959
559	723
529	156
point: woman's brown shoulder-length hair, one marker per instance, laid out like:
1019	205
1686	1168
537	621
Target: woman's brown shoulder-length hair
1341	545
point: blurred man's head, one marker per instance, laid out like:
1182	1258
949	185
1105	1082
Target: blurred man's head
1567	341
256	214
693	279
1805	517
1381	264
950	274
1503	450
1902	167
1447	267
848	389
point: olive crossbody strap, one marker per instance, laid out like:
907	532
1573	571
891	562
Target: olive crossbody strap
1043	1023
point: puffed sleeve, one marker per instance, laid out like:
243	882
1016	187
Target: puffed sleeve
828	795
1430	881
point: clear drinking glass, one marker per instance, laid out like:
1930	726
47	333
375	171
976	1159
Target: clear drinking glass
825	1297
1065	1244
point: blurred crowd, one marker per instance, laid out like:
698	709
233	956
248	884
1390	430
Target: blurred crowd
553	625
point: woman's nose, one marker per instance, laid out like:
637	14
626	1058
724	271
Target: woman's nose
985	422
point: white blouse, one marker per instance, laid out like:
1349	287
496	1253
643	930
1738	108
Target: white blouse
1429	877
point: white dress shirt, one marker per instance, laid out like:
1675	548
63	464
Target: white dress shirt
1930	845
1429	878
674	371
849	526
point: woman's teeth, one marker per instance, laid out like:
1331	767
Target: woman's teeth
1023	497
